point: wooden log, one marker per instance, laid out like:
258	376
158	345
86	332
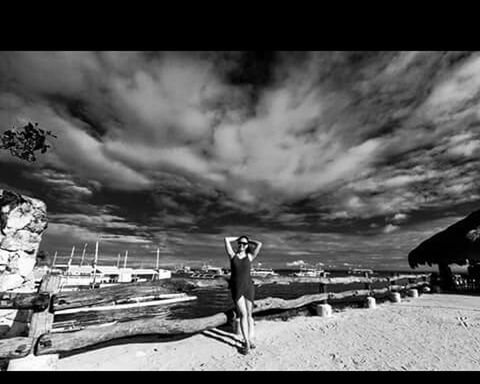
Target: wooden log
17	300
332	280
276	303
50	284
64	342
118	293
114	294
15	347
81	320
128	305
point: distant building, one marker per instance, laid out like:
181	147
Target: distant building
84	270
164	274
125	275
108	274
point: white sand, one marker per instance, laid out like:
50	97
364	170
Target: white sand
432	332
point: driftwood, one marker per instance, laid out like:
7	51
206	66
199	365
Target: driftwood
119	293
17	300
15	347
64	342
68	341
333	280
128	305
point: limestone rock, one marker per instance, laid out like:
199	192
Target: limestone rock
4	257
9	281
25	265
22	222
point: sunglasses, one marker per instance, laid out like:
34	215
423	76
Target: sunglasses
242	243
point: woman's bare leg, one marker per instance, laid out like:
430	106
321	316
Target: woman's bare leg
251	324
242	310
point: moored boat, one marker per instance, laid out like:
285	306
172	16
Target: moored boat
260	271
310	272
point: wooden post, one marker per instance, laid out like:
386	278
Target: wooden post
412	292
40	324
158	257
368	285
395	297
37	301
323	289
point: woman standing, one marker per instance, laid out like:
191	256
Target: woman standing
241	284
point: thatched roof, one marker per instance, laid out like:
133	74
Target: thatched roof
459	244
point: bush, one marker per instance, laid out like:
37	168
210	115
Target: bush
25	142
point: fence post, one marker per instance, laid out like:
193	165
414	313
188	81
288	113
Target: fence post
368	286
41	323
323	289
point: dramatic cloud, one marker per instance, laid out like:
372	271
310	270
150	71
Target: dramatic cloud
181	145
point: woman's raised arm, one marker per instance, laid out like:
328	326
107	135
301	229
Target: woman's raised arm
228	246
258	245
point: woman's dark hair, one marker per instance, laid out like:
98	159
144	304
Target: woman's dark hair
243	237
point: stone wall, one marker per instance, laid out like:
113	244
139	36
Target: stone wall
22	222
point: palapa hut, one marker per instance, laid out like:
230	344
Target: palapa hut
457	244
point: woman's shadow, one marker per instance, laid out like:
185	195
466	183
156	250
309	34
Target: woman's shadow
226	335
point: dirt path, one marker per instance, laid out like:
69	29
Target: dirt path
432	332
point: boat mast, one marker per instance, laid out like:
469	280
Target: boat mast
54	259
70	260
83	254
118	261
125	261
95	264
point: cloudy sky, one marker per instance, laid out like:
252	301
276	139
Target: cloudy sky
340	158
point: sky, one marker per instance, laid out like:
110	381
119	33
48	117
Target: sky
331	158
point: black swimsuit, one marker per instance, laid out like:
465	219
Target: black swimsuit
241	283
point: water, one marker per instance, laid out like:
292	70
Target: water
211	301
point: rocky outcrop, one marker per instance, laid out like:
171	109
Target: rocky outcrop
457	244
22	222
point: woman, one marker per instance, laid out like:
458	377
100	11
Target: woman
241	284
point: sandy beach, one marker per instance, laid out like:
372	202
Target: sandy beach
431	332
